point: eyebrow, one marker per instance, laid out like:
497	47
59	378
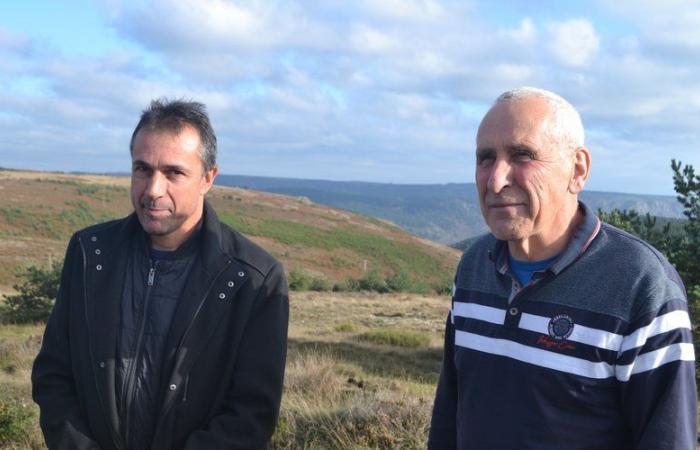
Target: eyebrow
484	151
520	147
166	168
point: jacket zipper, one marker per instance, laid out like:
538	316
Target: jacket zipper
128	391
116	439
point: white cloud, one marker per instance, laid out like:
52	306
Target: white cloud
365	39
526	33
417	10
573	43
312	89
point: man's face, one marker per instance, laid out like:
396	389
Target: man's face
523	175
168	184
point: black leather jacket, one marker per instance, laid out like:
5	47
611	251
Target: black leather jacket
223	359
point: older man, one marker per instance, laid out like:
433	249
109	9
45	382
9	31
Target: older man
564	332
169	330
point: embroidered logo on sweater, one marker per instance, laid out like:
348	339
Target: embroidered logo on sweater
560	327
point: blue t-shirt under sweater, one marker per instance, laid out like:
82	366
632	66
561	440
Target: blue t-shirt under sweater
523	270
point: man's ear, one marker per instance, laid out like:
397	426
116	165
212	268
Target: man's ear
581	170
209	177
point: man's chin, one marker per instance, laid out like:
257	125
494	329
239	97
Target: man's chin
155	227
507	232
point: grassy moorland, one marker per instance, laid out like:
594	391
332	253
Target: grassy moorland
361	373
39	211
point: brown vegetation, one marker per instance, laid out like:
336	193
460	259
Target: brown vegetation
341	391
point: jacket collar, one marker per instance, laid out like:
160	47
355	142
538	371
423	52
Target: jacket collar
578	244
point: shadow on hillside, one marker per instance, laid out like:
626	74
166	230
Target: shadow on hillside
420	365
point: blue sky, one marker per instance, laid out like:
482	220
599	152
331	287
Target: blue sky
388	91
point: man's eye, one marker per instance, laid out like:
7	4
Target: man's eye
522	156
484	160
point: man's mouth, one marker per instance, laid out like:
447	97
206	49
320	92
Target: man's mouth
155	211
505	204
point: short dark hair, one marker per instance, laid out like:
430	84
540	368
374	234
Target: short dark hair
173	115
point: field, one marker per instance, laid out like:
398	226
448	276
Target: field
356	378
39	212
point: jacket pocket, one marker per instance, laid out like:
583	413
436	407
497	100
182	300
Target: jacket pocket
184	389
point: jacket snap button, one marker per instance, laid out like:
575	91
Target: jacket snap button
98	267
173	387
240	274
93	238
231	284
513	311
222	296
98	251
102	364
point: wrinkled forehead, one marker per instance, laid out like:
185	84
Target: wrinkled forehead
515	120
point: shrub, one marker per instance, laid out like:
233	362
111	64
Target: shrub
36	294
372	281
15	419
396	337
399	282
319	285
345	327
349	285
299	280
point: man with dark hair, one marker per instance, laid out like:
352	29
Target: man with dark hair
169	329
564	332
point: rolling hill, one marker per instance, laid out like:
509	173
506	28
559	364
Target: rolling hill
39	211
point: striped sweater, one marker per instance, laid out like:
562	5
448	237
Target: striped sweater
594	353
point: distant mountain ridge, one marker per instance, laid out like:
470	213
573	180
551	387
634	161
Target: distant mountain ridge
445	213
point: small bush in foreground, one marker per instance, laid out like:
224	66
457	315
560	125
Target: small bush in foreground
36	294
395	337
15	419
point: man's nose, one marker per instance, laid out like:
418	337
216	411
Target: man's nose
499	178
156	185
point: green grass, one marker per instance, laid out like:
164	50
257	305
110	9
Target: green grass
53	222
345	327
238	222
384	251
396	337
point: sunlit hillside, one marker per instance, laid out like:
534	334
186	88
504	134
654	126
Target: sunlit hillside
39	211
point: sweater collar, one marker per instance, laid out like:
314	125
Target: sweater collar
579	242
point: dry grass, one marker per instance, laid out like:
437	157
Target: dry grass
18	347
340	391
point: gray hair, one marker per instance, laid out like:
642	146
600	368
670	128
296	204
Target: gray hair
565	123
173	115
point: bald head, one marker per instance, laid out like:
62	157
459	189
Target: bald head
561	122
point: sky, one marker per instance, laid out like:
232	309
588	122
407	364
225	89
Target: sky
367	90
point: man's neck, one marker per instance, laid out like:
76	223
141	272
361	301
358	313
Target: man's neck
538	247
